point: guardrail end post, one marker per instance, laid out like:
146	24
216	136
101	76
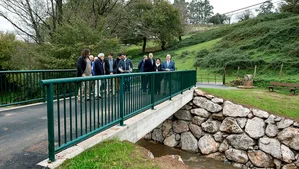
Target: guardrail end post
50	116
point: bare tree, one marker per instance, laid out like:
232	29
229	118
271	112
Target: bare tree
31	17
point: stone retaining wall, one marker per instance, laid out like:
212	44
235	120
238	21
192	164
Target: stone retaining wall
247	138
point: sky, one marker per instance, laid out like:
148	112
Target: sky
220	6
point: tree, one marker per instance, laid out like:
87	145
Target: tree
7	49
182	6
31	18
266	8
166	22
290	6
218	19
247	14
200	11
133	25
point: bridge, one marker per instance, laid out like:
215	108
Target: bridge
68	122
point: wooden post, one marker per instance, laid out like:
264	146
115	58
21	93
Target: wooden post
280	73
224	75
238	73
254	74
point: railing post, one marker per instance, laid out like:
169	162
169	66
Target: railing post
181	82
44	89
121	97
152	91
50	114
170	87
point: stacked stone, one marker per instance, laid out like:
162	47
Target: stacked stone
247	138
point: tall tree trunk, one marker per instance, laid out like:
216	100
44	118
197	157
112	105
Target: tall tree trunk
180	38
144	45
39	38
59	12
163	43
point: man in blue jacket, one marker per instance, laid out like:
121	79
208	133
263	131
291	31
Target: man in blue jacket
168	65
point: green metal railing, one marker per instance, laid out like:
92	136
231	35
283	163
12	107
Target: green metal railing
22	86
79	113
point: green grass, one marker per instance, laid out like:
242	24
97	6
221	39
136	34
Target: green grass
280	103
110	154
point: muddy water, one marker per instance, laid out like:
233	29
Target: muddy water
192	160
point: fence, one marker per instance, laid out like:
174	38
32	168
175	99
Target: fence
22	86
92	104
210	78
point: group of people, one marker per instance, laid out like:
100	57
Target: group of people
149	64
88	65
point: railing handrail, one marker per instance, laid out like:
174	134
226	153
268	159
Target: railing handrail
35	71
91	78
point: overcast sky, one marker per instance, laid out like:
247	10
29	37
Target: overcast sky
220	6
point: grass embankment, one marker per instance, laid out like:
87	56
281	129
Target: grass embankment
279	103
266	41
110	154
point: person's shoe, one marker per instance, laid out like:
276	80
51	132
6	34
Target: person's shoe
88	99
98	97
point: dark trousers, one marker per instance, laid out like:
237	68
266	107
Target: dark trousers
143	83
158	79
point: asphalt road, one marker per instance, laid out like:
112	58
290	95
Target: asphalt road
23	134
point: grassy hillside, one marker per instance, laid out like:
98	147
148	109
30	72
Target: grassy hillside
266	41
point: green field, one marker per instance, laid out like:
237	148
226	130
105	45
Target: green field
266	42
280	103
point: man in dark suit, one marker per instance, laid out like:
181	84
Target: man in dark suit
168	65
112	70
149	66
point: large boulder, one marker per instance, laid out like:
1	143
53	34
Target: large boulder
196	130
230	125
233	110
210	126
217	100
207	104
255	127
271	130
180	126
171	141
260	113
183	115
166	128
270	146
157	135
189	142
217	156
290	137
287	154
240	141
198	120
260	159
237	155
284	123
200	112
199	92
207	144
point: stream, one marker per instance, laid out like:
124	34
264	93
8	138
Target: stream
192	160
